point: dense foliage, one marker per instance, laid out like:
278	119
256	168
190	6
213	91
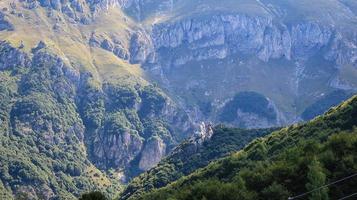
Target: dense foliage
191	155
93	196
248	102
286	163
319	107
64	132
42	154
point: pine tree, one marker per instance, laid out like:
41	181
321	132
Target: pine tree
316	178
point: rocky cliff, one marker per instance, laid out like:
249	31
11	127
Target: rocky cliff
310	51
121	82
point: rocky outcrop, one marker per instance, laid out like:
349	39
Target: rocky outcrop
240	33
250	110
230	38
117	150
153	152
204	133
112	45
141	48
126	123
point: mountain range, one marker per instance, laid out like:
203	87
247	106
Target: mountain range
95	92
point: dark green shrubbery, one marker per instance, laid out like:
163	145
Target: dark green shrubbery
286	163
326	102
186	158
249	102
93	196
152	101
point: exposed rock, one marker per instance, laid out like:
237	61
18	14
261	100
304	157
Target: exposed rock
200	40
250	110
116	48
117	150
141	48
153	152
240	33
204	133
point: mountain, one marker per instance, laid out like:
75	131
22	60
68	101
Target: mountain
287	54
73	115
94	92
197	152
286	163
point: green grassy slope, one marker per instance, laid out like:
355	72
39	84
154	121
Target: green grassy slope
288	162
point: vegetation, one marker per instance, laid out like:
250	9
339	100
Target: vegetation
93	196
191	155
332	99
52	119
249	102
286	163
41	136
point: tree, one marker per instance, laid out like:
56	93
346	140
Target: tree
316	178
93	196
275	192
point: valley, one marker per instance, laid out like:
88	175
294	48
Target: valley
108	95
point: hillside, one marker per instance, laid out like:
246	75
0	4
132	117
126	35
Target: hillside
192	154
95	92
286	163
70	94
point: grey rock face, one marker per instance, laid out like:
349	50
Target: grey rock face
117	150
112	45
124	123
229	38
117	123
141	48
205	132
74	9
153	152
240	33
116	48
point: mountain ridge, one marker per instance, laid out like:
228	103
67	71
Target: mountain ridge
128	80
269	166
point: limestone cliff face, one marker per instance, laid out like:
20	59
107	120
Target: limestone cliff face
229	34
129	123
232	39
154	151
117	150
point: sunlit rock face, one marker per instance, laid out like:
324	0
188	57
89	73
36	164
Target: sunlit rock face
190	53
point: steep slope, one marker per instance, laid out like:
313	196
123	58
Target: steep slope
42	149
290	52
204	147
70	95
129	79
288	162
